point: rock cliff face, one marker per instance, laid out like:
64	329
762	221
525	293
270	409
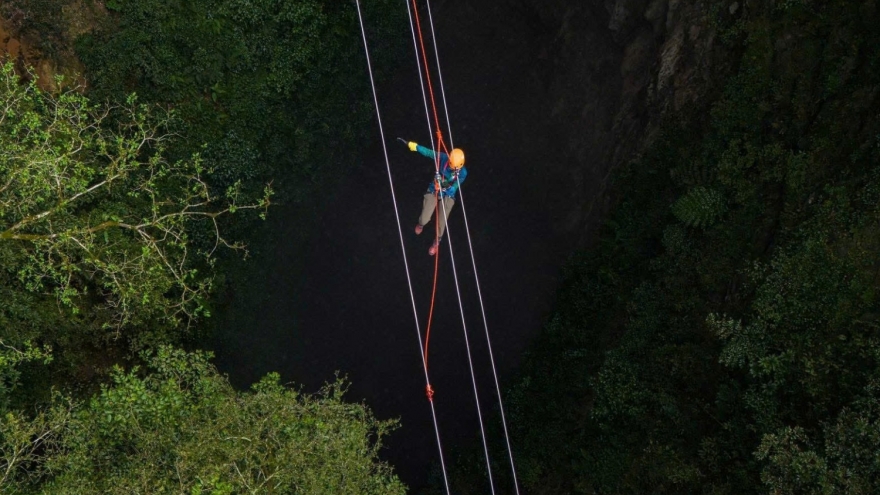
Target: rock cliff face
23	54
614	70
41	35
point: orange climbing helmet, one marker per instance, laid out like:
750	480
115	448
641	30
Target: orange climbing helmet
456	159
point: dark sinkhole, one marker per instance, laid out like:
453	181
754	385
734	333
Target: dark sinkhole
336	298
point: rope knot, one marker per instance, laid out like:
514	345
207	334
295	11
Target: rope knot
429	391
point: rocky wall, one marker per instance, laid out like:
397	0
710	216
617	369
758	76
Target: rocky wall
39	37
615	70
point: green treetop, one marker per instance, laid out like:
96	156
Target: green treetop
181	428
92	212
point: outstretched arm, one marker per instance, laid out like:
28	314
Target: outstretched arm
426	152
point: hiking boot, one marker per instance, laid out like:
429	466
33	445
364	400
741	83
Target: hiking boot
433	249
419	228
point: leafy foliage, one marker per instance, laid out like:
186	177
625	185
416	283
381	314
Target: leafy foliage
11	358
275	88
111	217
179	427
92	212
742	356
700	207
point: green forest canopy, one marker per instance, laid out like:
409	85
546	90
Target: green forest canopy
94	213
724	336
113	212
179	427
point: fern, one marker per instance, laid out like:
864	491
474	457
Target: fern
700	207
691	173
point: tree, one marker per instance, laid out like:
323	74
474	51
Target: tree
738	352
10	358
21	438
93	213
275	88
179	426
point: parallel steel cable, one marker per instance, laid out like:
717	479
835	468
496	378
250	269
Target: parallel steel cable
488	340
473	258
449	237
468	347
402	246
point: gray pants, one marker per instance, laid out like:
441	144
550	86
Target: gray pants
429	203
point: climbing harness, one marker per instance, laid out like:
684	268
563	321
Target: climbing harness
439	189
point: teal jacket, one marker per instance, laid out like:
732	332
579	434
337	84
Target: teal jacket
448	184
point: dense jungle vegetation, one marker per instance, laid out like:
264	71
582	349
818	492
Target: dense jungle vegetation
121	204
723	337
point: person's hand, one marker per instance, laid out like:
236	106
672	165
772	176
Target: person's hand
412	145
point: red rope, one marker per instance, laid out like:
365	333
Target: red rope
430	85
438	197
436	264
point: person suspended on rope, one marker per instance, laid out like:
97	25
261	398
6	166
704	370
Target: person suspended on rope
452	174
